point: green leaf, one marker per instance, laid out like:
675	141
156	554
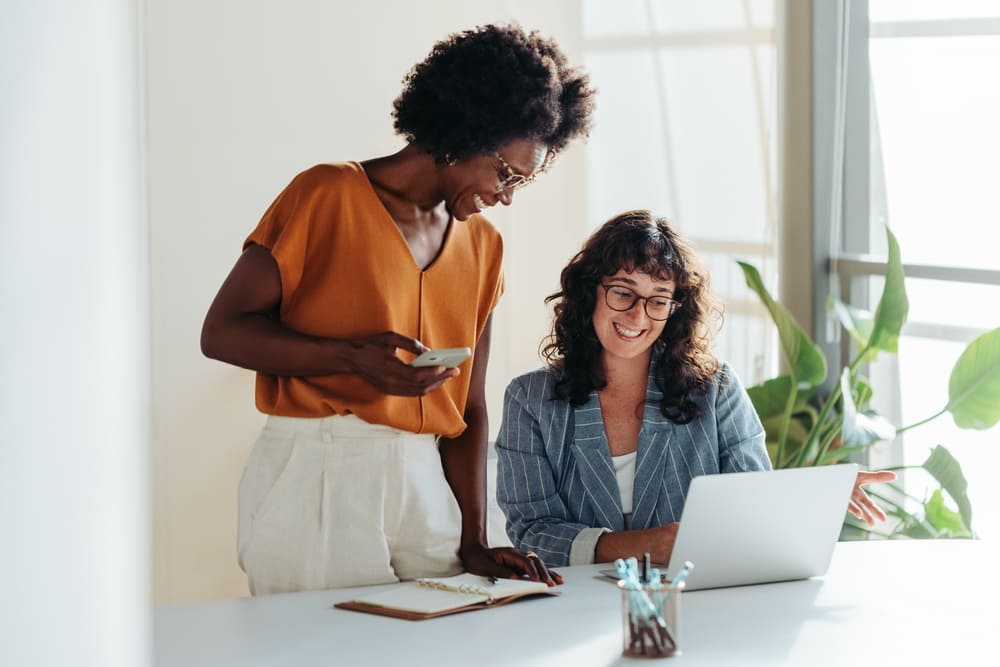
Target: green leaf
857	322
890	315
946	521
912	526
797	435
805	359
769	398
946	470
862	391
772	453
974	386
861	428
909	525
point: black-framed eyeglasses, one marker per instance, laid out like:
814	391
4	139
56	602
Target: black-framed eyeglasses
621	299
508	179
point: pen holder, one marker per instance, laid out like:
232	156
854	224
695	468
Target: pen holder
651	619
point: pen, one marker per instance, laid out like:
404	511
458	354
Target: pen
682	573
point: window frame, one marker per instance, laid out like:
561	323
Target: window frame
842	260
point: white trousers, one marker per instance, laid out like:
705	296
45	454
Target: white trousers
333	502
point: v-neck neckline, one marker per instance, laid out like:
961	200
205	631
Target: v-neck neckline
387	218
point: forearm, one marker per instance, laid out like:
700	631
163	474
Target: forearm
261	343
464	461
657	542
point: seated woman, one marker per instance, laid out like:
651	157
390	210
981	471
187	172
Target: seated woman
597	450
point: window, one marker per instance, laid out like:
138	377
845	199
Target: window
685	127
934	137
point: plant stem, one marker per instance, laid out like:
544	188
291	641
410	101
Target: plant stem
786	420
858	359
814	433
831	401
921	422
900	511
827	441
899	490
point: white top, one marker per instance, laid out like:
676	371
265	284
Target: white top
916	602
625	472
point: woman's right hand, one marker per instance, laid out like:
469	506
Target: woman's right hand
657	541
374	359
508	563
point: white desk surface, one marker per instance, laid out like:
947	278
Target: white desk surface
882	603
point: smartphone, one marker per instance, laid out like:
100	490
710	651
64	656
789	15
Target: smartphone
449	356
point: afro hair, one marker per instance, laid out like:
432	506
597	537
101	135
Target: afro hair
481	88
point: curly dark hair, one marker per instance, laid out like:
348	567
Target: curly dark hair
481	88
684	365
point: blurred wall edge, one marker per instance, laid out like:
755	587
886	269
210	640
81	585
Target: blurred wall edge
74	357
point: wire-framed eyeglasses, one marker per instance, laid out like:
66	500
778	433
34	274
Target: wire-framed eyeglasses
508	179
621	299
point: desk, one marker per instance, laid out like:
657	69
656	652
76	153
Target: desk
874	607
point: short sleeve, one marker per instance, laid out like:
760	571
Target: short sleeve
285	228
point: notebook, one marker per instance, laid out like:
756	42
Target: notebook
758	527
429	598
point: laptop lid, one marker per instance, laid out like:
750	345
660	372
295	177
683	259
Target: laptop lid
757	527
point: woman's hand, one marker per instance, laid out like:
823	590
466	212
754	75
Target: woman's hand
374	359
507	563
658	542
861	505
243	327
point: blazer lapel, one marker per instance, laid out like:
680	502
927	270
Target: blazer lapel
593	461
651	457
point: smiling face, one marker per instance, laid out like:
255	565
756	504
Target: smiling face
472	185
629	334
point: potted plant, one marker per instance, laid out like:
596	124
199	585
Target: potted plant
805	427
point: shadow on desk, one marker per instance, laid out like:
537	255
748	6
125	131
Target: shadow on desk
725	622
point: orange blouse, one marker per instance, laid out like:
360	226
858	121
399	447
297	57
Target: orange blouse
346	272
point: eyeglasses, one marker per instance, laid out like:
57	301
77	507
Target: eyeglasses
509	179
622	299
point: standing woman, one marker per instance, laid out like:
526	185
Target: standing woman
596	451
370	470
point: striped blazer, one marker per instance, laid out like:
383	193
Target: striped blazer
555	480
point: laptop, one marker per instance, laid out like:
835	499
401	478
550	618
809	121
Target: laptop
759	527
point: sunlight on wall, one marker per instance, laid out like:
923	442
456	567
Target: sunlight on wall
685	127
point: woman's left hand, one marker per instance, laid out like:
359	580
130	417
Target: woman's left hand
507	563
861	504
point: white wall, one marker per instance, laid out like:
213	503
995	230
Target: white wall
241	96
74	402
